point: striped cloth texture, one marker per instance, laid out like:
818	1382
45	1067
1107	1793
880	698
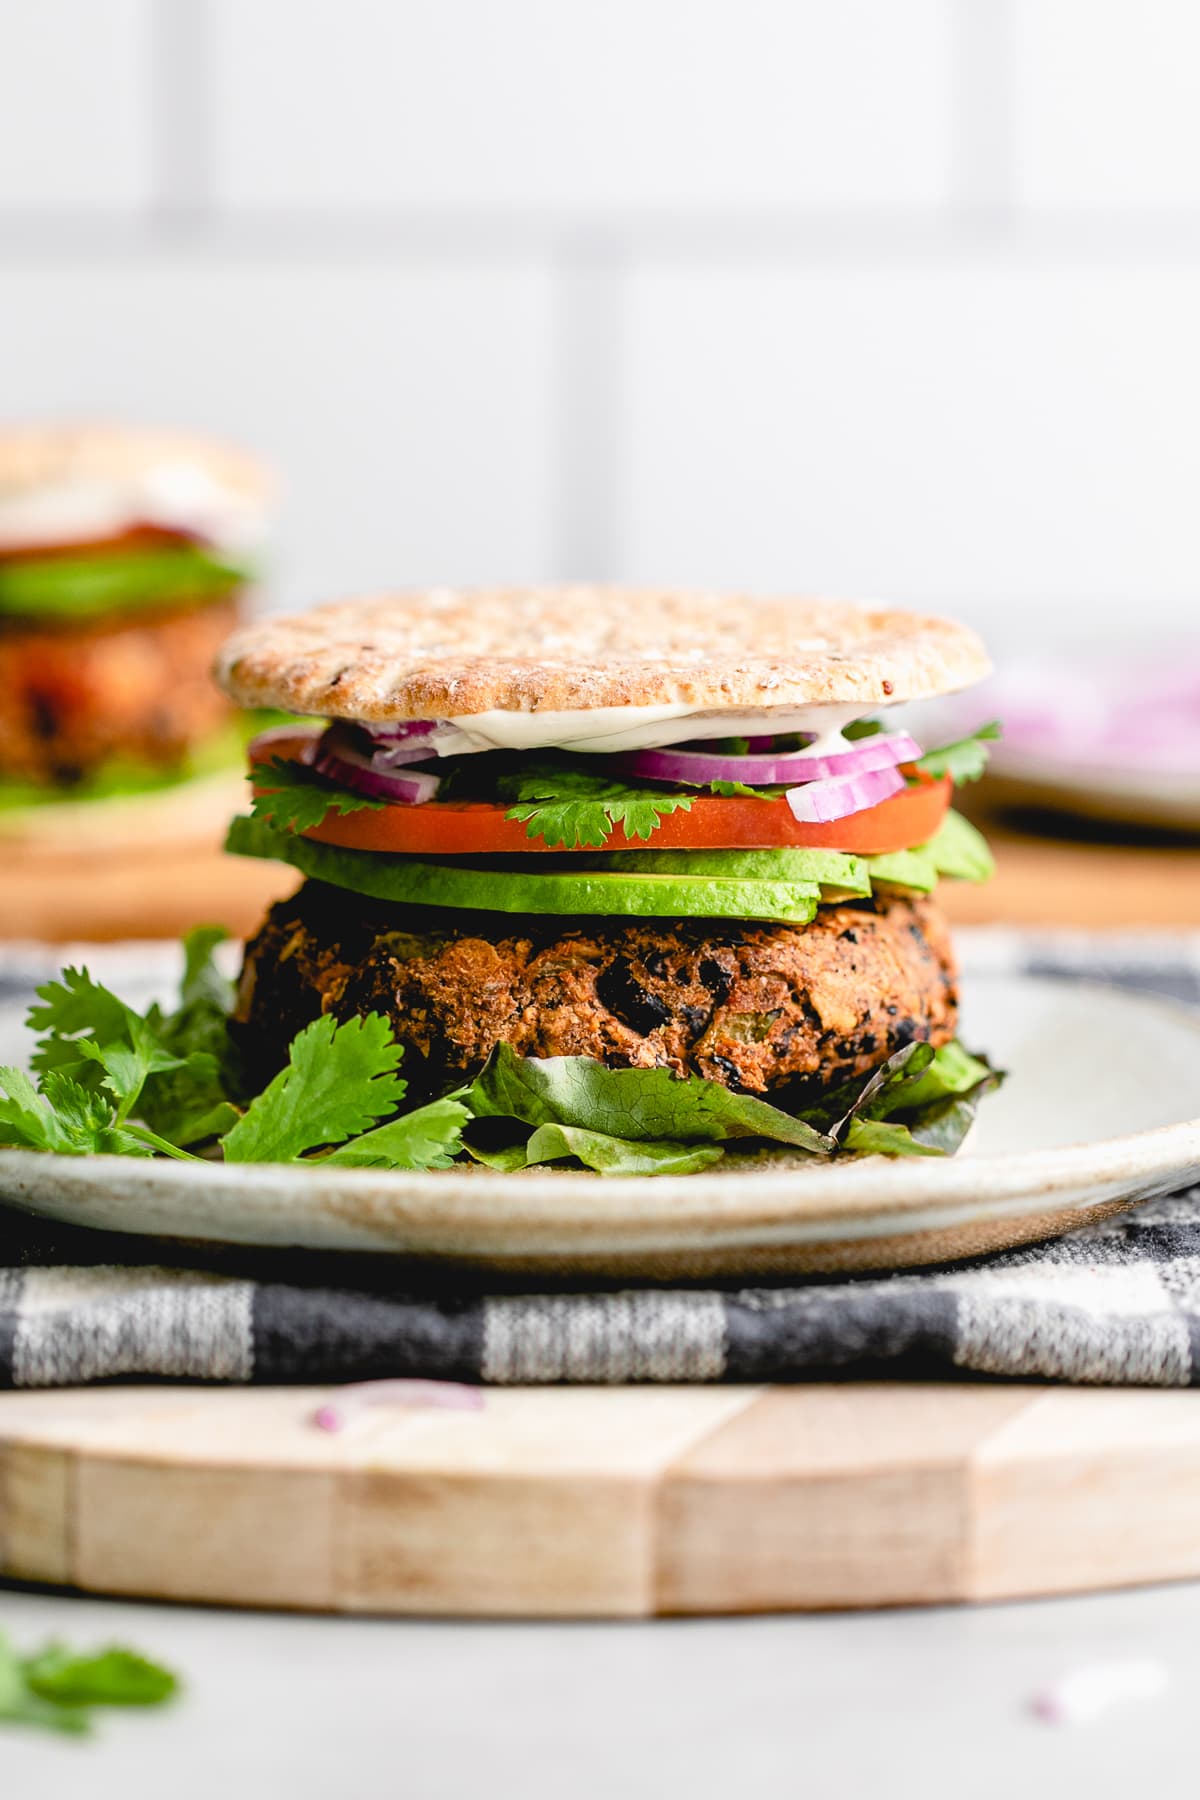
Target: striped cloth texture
1117	1302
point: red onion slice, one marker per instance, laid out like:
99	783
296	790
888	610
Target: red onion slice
820	802
399	756
262	747
784	767
344	763
394	731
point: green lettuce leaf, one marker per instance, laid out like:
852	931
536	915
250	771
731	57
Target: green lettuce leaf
921	1102
964	760
956	850
883	1137
606	1155
640	1105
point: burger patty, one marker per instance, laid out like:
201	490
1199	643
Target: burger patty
778	1010
75	697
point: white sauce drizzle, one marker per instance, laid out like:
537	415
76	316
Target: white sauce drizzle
177	496
603	729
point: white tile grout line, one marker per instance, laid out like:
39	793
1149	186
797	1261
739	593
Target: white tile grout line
804	239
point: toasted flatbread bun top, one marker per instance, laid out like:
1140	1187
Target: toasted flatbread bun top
445	654
38	456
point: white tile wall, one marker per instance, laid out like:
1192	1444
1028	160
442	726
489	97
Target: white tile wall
882	295
1108	103
980	435
75	104
409	408
590	105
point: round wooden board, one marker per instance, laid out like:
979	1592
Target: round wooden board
602	1501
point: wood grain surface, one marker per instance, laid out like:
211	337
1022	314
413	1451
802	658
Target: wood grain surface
152	891
1090	881
602	1501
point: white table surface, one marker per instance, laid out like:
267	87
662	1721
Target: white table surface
892	1704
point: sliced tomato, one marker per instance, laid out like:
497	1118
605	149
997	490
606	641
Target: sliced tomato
474	828
135	537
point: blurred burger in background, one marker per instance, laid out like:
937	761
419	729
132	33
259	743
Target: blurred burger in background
125	556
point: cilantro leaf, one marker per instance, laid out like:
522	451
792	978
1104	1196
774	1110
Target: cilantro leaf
202	980
297	798
339	1081
20	1705
112	1677
24	1117
93	1037
71	1007
567	805
429	1138
964	760
88	1120
64	1117
55	1688
736	790
191	1102
127	1066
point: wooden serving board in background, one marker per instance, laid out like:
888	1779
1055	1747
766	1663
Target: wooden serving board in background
1082	882
602	1501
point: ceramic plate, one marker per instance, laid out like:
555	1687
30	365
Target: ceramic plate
1120	796
1100	1111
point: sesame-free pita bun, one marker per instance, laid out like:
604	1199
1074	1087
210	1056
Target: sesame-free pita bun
447	653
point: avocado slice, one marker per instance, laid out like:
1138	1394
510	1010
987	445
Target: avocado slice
85	586
835	872
912	869
414	881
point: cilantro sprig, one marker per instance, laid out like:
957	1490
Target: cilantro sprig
111	1080
340	1080
56	1689
297	798
574	808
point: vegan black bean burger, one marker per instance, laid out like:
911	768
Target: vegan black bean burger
626	872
